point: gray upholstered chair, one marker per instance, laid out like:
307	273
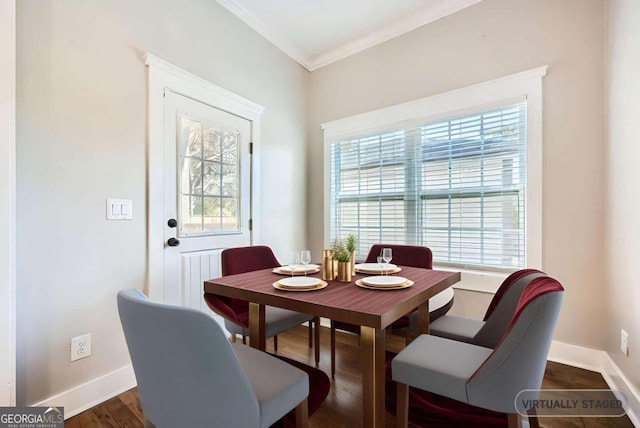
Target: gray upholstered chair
479	376
189	375
486	332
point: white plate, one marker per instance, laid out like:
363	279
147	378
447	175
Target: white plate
279	271
384	281
407	284
320	286
299	268
375	267
299	281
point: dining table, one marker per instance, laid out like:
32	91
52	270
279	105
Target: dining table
372	309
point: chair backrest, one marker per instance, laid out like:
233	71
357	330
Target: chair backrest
503	306
406	255
234	261
188	374
519	360
247	259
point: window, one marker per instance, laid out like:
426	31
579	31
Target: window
459	172
456	185
209	171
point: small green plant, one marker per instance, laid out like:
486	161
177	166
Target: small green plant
340	251
351	243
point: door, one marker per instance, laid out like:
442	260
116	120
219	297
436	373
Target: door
207	193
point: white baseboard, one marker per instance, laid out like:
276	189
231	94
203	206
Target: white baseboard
576	356
617	380
601	362
82	397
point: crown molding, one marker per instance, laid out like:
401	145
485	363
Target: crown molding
265	31
398	28
436	11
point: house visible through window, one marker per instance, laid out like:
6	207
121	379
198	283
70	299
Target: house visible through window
456	185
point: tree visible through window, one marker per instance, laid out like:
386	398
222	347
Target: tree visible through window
209	177
456	185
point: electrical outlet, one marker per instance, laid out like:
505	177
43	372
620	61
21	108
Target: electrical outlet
81	347
624	342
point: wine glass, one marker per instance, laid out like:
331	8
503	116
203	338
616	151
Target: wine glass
387	255
294	261
305	259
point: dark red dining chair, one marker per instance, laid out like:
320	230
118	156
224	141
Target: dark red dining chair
404	255
236	312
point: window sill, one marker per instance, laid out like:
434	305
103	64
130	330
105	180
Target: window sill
476	280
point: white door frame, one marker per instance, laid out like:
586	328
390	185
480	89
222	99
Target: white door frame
7	202
161	76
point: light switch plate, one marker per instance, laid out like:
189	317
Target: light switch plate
119	209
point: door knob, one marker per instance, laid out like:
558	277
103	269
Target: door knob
172	222
173	242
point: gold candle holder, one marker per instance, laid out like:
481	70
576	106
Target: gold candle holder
328	271
353	263
344	271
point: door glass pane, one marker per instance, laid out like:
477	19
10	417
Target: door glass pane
209	178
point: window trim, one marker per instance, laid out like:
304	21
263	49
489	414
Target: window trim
526	85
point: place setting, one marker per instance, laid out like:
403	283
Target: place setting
299	264
383	267
382	280
298	268
300	283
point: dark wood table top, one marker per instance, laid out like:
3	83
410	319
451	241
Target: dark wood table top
338	301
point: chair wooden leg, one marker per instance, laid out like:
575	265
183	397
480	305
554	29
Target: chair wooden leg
513	420
311	334
233	338
275	343
244	339
333	349
402	405
533	418
302	414
316	321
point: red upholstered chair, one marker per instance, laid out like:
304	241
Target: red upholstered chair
236	312
404	255
476	376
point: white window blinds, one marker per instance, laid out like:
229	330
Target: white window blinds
456	185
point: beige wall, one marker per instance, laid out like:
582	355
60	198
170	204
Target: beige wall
489	40
81	114
622	201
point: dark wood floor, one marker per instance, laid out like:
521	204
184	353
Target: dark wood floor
342	408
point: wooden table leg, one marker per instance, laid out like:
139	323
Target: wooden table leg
372	348
423	318
423	322
257	326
